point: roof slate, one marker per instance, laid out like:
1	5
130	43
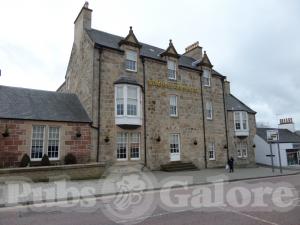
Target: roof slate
285	136
112	41
29	104
234	104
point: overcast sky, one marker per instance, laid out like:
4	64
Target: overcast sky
255	43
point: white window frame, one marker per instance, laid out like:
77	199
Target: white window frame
242	150
124	88
50	139
171	139
211	149
209	110
31	145
175	106
174	70
139	145
128	144
131	56
240	120
206	77
45	142
122	143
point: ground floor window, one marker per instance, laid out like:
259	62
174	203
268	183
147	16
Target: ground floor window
242	150
44	144
37	143
128	141
293	156
53	142
211	151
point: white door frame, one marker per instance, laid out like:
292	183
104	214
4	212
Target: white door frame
175	156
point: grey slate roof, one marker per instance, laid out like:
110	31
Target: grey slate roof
234	104
29	104
285	136
112	41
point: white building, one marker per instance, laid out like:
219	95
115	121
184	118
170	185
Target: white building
289	145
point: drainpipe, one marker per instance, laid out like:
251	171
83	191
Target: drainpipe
225	116
99	98
203	121
144	111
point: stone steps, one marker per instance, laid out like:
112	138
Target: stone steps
178	166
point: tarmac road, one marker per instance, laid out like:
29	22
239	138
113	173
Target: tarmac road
269	205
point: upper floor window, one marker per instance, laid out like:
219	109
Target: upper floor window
173	105
171	70
211	151
241	121
209	110
127	100
131	60
206	78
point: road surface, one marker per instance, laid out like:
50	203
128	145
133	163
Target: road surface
174	207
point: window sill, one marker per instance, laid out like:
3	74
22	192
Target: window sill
174	116
244	133
209	119
133	71
211	159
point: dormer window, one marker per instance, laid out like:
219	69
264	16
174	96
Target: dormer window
171	70
206	78
131	60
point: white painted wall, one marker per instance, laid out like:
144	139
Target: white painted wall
263	148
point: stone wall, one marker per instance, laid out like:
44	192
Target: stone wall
42	174
13	147
233	140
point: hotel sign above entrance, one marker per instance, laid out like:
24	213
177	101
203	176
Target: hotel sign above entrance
179	87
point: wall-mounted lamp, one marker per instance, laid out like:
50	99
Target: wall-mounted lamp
106	139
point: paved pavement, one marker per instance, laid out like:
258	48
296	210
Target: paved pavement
154	180
178	206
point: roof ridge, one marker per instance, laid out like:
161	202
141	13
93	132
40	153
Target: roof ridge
150	45
32	89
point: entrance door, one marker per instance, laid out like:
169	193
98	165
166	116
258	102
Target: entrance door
174	147
298	155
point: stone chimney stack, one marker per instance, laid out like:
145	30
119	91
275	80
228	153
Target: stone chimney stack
194	51
82	22
287	123
227	87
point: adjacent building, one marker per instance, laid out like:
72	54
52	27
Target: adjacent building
36	122
289	145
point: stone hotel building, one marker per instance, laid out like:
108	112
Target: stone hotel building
144	106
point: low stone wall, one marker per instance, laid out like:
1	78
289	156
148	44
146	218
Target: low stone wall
44	174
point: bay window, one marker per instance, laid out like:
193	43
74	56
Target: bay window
241	123
127	104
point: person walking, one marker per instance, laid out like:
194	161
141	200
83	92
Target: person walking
230	164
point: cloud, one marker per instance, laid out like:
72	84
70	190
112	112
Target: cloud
254	43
